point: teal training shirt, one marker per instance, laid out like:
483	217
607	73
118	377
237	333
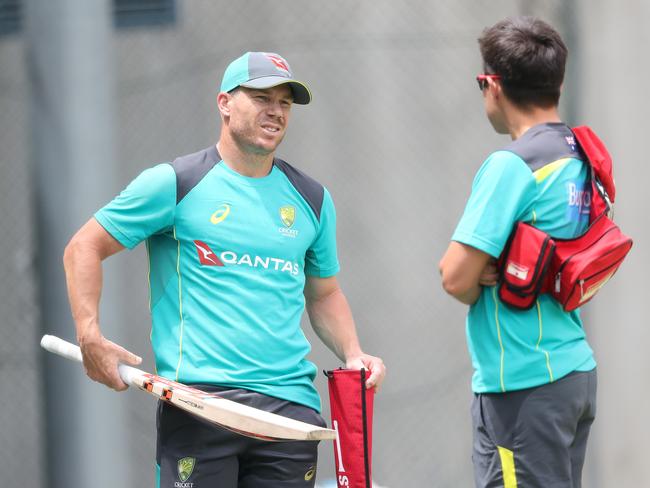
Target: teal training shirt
541	179
228	258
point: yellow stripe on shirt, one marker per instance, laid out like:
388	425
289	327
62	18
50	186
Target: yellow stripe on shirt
180	304
539	341
503	351
546	171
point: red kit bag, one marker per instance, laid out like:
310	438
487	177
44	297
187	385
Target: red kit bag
523	265
573	270
583	265
351	406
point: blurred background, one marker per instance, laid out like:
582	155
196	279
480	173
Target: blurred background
92	93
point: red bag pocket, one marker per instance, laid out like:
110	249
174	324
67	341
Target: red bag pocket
351	407
584	264
523	265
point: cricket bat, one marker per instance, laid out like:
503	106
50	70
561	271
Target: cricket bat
230	415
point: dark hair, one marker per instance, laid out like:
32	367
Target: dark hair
529	55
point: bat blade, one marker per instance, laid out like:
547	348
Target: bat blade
239	418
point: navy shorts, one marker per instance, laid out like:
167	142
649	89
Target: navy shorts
534	438
192	453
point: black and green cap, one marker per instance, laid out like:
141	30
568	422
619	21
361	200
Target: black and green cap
263	70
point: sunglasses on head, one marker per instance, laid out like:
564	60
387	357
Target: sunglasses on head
482	80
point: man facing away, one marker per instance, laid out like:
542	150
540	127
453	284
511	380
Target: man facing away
534	376
239	242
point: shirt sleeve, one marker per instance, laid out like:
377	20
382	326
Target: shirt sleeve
321	259
503	192
145	207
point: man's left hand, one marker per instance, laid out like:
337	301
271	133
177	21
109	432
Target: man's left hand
371	363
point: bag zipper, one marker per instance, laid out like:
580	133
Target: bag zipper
582	291
582	281
558	276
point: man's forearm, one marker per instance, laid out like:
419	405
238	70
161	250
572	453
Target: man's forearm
82	261
462	269
469	297
83	271
331	319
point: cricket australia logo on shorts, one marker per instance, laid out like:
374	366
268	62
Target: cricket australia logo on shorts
185	469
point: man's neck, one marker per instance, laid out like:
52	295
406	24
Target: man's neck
244	162
519	121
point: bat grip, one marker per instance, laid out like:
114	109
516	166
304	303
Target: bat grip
129	373
71	351
62	348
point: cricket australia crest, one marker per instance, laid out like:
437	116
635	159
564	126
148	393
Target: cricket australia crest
288	215
185	468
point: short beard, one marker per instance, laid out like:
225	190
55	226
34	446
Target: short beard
241	139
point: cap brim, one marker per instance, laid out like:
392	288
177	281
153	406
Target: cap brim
301	93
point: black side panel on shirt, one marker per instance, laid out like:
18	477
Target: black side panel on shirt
545	143
192	168
311	190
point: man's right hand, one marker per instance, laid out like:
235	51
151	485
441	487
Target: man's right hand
101	358
490	274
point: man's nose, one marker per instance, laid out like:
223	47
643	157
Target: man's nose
274	108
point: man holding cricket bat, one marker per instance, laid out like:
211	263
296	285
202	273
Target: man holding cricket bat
239	243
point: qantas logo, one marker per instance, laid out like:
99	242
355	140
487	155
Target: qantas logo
279	62
206	256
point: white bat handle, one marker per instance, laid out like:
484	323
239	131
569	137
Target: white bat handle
70	351
129	373
62	348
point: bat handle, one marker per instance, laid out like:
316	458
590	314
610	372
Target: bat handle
70	351
129	374
62	348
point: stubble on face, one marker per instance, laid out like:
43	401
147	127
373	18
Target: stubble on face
259	118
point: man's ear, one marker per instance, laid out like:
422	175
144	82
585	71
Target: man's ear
223	103
495	87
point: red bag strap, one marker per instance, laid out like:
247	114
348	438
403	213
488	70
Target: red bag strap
599	157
